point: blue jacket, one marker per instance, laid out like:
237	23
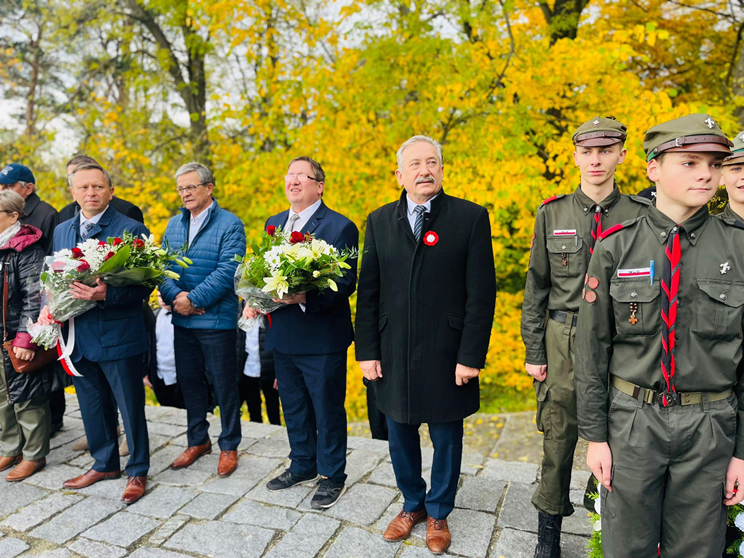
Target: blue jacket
325	326
210	280
115	328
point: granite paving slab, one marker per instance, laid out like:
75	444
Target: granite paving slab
39	511
306	538
383	475
76	519
249	512
53	477
471	532
17	495
112	489
182	477
480	493
208	505
513	471
10	547
163	501
356	542
258	429
276	445
289	497
360	463
93	549
167	529
518	512
251	471
122	529
521	544
222	539
362	504
156	553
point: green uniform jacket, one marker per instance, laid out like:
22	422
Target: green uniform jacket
563	227
729	216
709	325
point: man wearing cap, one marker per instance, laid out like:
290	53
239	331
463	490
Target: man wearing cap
36	213
566	229
659	357
732	177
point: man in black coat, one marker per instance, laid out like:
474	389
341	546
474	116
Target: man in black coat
425	309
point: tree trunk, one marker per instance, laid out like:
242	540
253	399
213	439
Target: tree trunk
35	48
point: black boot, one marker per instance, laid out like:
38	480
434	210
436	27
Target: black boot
592	487
548	536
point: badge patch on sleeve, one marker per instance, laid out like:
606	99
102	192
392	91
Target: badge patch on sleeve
637	272
564	232
591	297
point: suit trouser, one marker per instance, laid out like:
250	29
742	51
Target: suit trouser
203	354
25	425
405	453
556	418
102	387
250	392
313	392
57	406
668	471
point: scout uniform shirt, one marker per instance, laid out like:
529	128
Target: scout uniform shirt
620	324
560	256
729	216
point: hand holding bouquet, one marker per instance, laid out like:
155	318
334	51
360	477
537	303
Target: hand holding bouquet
287	264
118	262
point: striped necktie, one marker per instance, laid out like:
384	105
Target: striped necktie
292	221
669	301
596	227
85	230
418	225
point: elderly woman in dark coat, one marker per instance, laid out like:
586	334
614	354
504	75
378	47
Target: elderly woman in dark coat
24	405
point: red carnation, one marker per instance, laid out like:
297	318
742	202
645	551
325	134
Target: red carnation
108	256
102	243
138	244
296	237
77	253
271	229
84	266
117	241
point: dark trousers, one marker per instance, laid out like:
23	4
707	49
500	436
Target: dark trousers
313	392
103	386
250	392
202	352
57	406
377	421
405	453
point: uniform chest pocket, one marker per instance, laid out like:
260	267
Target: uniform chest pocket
636	306
719	308
566	256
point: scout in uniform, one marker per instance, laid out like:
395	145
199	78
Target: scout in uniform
566	229
659	357
732	177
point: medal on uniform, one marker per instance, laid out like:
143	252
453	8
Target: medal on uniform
633	309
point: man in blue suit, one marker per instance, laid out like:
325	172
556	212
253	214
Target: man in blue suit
109	342
310	337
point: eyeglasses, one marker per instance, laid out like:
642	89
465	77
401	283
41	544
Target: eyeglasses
191	188
303	178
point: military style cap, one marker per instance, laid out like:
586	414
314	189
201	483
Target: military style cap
600	132
14	172
737	151
692	133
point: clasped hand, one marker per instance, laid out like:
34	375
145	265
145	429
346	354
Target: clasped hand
182	305
84	292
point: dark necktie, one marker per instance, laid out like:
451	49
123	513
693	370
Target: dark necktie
418	225
292	221
669	293
86	228
596	227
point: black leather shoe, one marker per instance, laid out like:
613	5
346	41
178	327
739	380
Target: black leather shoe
548	536
327	494
288	479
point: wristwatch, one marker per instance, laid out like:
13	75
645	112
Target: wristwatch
193	304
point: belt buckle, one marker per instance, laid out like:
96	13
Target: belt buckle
672	399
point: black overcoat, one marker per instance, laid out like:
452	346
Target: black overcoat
424	307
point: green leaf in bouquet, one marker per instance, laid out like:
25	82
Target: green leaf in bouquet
256	248
134	276
119	259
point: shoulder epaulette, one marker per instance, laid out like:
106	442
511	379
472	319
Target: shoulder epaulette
551	199
640	199
618	227
738	224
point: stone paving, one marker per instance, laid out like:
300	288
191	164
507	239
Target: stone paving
195	513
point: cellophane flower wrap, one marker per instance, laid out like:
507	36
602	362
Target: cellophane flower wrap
118	262
287	264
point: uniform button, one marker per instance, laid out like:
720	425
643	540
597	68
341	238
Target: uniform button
563	247
634	294
692	235
663	234
723	296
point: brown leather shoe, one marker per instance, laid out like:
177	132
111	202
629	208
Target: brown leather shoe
228	463
438	537
25	469
135	489
191	454
90	477
400	528
8	462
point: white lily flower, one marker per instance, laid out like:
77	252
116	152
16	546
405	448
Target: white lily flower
276	283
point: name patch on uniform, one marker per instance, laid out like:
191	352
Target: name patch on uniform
564	232
638	272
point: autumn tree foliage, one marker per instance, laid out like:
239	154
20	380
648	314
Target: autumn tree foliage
245	85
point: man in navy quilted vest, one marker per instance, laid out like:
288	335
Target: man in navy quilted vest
205	311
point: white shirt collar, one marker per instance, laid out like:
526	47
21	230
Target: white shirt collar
202	216
412	204
93	220
306	213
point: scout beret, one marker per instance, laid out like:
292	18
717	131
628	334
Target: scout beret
737	151
600	132
692	133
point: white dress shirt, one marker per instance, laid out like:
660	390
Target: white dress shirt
93	220
164	348
252	367
411	210
196	223
304	215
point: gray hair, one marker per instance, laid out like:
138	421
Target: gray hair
205	175
90	166
11	202
416	139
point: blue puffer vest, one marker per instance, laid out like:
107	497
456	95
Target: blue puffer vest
209	280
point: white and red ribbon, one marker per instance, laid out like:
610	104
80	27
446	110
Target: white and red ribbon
65	351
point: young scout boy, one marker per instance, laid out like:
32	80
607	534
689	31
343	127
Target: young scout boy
732	177
566	229
659	357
